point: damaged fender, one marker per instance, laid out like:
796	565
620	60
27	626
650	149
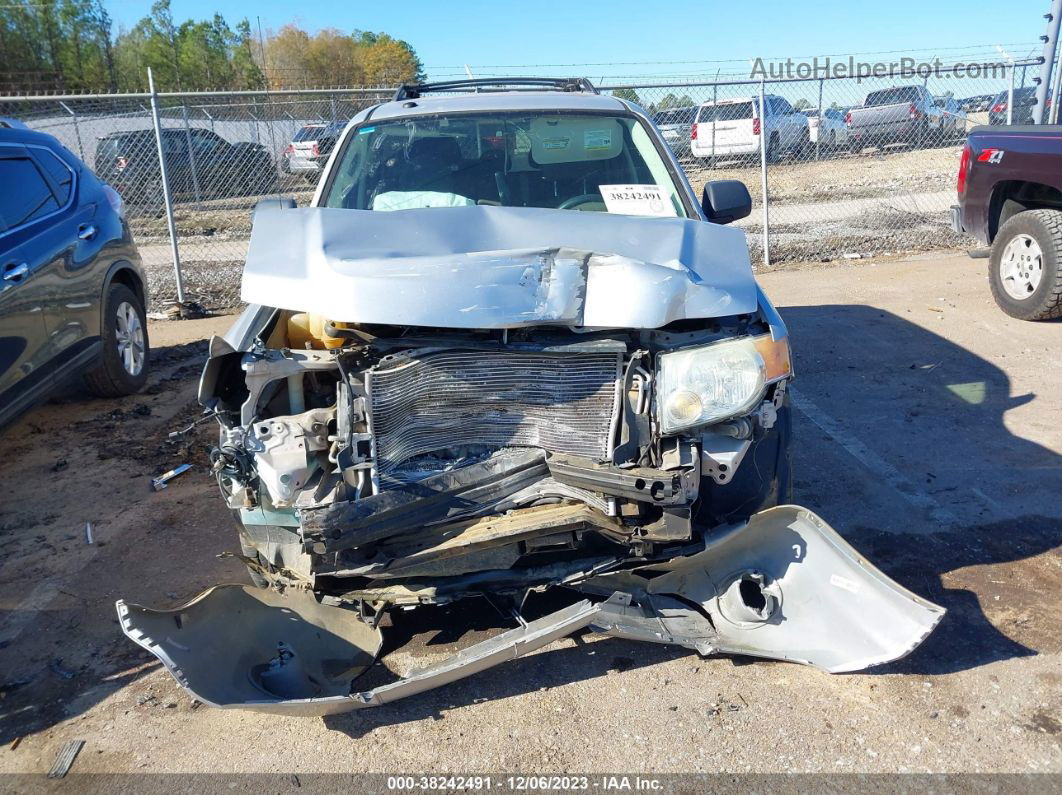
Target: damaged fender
783	586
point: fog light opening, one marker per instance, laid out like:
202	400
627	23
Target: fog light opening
750	599
752	595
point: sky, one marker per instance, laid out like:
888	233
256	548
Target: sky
643	38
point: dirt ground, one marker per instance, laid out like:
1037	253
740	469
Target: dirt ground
927	433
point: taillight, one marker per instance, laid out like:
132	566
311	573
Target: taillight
120	163
314	149
693	133
1000	107
755	126
848	118
964	170
915	112
289	149
114	200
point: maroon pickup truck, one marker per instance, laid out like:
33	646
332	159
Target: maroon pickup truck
1010	197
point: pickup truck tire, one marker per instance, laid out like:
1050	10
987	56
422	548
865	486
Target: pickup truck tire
773	149
1024	268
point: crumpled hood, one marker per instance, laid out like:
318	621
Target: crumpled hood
496	267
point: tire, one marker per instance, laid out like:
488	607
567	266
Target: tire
855	145
1024	267
763	480
249	551
773	147
922	139
123	365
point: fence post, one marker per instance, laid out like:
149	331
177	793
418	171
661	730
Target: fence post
1010	96
166	190
1043	85
271	121
191	157
257	135
77	130
1056	90
822	117
715	115
763	176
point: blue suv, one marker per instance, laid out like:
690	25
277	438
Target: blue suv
72	288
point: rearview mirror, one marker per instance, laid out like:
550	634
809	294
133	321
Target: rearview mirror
726	200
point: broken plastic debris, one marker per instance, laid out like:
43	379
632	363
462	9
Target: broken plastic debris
159	483
65	758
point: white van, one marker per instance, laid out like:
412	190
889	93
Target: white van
732	127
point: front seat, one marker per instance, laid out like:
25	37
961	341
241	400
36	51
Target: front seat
434	165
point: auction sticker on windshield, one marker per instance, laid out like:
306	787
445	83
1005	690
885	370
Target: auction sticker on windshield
637	200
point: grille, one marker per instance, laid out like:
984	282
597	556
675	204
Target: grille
563	403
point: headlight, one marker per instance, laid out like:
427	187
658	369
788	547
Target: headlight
703	385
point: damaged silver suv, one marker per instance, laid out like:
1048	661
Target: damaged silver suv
507	350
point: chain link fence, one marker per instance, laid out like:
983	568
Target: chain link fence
223	152
852	167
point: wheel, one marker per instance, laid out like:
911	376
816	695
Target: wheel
773	147
123	364
855	146
764	479
1024	266
249	551
268	183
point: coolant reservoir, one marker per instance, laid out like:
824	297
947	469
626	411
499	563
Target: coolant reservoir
304	327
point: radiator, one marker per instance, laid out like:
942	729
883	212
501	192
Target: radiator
424	403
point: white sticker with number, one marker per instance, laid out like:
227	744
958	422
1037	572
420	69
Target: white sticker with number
637	200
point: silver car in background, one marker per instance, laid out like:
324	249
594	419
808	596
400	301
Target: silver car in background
675	125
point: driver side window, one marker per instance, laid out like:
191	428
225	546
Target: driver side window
205	143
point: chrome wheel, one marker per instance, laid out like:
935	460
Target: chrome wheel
130	334
1021	267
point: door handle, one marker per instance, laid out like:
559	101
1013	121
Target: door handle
86	232
15	273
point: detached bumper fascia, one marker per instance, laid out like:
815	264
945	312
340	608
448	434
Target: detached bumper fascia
783	586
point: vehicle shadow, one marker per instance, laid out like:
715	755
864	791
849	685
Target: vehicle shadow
934	412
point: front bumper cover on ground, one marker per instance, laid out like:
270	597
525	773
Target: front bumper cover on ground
784	586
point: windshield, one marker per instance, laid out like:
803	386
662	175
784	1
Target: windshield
307	133
892	96
592	162
730	111
680	116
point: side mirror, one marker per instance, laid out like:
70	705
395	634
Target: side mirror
279	202
725	201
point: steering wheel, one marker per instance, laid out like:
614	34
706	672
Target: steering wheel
575	201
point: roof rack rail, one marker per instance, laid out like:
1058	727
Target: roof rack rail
573	84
